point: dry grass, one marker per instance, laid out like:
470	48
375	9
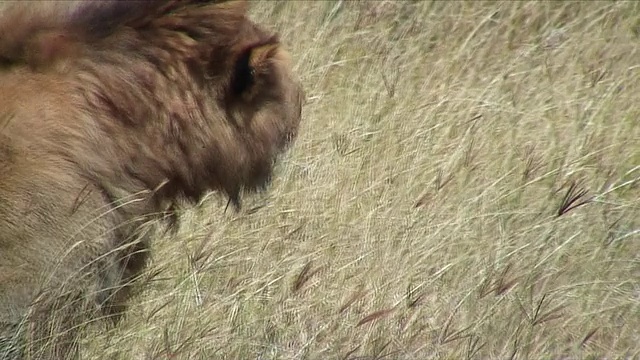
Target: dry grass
466	185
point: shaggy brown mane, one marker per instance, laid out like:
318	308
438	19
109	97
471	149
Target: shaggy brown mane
132	51
27	29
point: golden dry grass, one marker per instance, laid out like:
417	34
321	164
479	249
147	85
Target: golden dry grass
466	185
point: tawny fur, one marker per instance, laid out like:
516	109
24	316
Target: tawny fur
110	112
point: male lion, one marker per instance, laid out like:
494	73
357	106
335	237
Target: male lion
110	113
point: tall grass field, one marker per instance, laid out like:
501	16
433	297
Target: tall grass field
466	185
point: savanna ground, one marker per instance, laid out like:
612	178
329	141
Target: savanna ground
466	185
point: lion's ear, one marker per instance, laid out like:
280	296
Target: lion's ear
260	54
250	64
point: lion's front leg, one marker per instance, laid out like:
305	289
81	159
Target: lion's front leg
11	347
51	327
117	278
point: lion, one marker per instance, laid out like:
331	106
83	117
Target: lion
112	114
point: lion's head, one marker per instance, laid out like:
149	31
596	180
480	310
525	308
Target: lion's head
174	97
